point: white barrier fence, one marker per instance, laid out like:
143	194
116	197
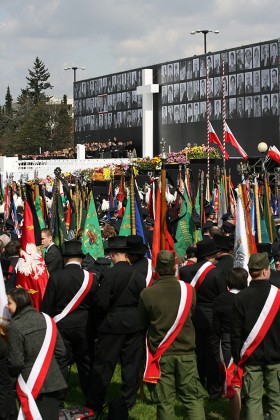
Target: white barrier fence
42	168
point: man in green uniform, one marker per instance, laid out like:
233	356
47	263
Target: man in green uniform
166	309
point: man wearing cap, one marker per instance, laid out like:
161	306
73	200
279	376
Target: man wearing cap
68	299
53	257
149	223
171	362
9	229
270	249
255	341
224	258
120	332
209	283
136	254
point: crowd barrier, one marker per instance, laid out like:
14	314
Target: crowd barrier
30	169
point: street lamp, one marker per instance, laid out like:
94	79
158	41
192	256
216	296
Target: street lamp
74	68
205	32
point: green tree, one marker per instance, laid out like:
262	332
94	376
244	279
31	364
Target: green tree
8	101
38	82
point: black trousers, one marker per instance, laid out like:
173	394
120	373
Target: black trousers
207	365
109	349
77	348
48	405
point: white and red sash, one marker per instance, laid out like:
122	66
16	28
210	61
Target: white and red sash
228	389
77	299
152	369
149	276
261	327
201	274
28	391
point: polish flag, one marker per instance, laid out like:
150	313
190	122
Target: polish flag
229	138
213	138
274	153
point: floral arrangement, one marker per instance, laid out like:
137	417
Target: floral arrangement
201	152
147	163
142	164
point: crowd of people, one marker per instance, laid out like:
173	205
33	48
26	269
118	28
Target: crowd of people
94	150
211	328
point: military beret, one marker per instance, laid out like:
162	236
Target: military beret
258	261
165	259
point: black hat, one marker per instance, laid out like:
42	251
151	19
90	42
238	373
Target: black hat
149	221
275	248
73	249
228	227
222	242
265	247
113	210
116	243
136	245
9	224
258	261
208	224
227	216
206	247
145	212
209	210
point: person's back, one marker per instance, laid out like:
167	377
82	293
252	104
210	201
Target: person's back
255	338
166	311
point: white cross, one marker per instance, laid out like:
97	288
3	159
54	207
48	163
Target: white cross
147	90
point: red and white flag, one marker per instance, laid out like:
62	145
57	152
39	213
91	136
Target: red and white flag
213	138
32	272
229	138
274	153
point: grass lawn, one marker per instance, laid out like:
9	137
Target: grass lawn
144	410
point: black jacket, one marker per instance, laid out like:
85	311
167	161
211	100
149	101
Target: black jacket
118	298
225	264
53	259
246	310
213	285
61	288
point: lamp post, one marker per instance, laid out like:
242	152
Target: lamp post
74	68
205	32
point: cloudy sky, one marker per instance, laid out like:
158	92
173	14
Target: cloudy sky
113	35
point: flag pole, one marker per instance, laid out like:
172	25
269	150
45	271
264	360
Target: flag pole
224	173
162	197
132	202
207	193
57	173
257	207
224	115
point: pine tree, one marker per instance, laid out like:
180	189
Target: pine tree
8	101
38	82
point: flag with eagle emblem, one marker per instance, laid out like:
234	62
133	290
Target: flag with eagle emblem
32	272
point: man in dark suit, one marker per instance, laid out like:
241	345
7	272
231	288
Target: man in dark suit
224	258
53	257
74	328
249	86
249	113
120	333
211	286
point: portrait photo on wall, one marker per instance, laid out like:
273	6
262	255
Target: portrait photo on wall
232	62
183	70
274	104
274	59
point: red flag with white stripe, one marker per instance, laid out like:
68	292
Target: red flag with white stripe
229	138
274	153
213	138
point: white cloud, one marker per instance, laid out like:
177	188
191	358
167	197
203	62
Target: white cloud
107	36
